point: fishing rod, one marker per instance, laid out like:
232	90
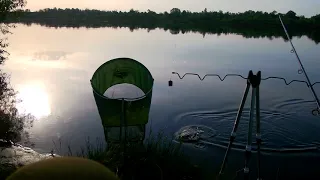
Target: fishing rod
302	70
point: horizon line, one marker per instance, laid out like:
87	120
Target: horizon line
106	10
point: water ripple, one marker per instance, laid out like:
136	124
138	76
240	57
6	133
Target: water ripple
286	126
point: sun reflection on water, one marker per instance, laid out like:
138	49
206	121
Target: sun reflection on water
34	100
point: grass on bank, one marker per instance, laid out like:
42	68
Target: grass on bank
157	158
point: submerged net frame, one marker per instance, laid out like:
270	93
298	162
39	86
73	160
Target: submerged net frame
117	113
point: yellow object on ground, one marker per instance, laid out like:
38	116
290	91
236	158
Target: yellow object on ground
62	168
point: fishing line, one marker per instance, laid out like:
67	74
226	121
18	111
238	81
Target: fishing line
315	112
170	83
223	78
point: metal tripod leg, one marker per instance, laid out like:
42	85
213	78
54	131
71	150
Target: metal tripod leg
235	127
249	140
254	81
258	135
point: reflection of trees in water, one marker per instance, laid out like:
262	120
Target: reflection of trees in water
12	124
250	24
246	32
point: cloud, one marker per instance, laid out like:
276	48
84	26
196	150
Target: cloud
50	55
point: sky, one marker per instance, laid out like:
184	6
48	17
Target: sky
301	7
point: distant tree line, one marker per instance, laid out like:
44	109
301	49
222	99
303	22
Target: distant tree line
248	24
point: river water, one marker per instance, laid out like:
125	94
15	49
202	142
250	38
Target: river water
51	69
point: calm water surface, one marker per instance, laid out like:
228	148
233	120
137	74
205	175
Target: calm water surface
51	68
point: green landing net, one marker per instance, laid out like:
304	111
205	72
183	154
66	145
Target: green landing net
117	112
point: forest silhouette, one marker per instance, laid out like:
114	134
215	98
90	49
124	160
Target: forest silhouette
248	24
